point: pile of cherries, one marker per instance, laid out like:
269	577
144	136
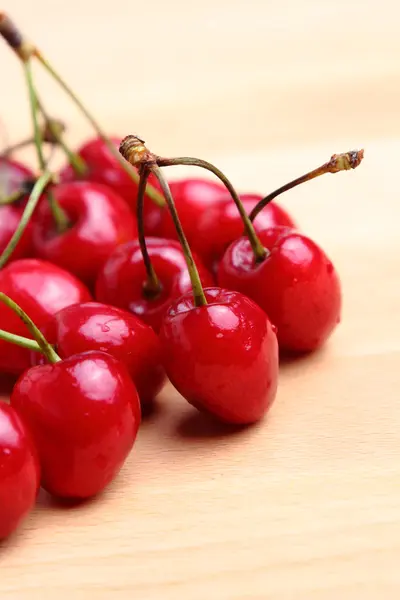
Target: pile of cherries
113	279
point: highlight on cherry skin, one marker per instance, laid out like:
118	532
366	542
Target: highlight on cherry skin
95	326
223	356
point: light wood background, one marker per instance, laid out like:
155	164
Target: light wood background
305	506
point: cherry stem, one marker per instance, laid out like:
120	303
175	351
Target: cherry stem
45	347
150	190
19	340
152	285
18	146
56	135
258	249
198	292
59	215
337	162
15	196
34	198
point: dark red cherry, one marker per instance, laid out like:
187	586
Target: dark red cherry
192	198
296	285
10	216
13	175
222	357
19	471
41	289
221	225
99	222
94	326
84	414
121	280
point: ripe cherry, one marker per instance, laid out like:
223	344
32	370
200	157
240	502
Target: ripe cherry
41	289
222	224
94	326
10	215
19	471
84	414
296	284
99	222
223	356
13	176
121	280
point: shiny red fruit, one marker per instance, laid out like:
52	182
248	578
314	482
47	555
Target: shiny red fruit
41	289
123	276
192	198
19	471
84	414
222	357
221	225
296	285
100	221
94	326
10	216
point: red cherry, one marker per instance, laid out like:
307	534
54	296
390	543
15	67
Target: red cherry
84	414
192	198
10	216
41	289
296	285
96	153
94	326
221	225
19	471
123	276
13	174
222	357
100	221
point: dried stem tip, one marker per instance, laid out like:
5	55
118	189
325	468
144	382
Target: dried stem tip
133	149
52	130
14	38
345	161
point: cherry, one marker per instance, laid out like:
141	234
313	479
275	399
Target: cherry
94	326
99	222
13	176
42	289
10	216
222	224
122	278
296	284
19	471
192	197
84	414
222	357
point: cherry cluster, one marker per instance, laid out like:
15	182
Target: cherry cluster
112	279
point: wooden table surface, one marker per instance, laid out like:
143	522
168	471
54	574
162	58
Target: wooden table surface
306	505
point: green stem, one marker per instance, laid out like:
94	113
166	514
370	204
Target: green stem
151	191
337	162
257	247
198	292
59	215
45	347
18	340
152	285
34	197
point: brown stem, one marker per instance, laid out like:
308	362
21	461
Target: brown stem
152	285
337	162
14	38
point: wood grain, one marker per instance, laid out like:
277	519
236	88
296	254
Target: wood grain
306	505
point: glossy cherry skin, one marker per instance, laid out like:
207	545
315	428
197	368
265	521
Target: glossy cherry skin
10	216
296	285
192	198
41	289
100	221
123	276
84	414
94	326
221	225
19	471
223	357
